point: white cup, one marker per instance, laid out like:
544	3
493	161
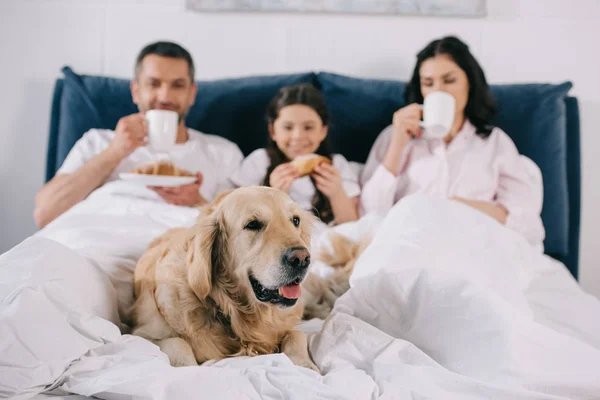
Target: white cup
162	129
438	114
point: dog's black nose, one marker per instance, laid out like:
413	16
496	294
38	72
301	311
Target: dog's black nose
297	257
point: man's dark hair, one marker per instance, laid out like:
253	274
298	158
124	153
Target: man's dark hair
165	49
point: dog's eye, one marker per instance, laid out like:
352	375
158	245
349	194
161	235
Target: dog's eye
254	225
296	221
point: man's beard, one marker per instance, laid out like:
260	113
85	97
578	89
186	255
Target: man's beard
182	115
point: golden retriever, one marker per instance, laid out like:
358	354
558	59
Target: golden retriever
228	285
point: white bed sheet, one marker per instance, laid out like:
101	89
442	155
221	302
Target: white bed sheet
434	312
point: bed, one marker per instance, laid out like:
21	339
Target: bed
495	320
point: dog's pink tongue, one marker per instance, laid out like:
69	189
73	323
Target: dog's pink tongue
291	291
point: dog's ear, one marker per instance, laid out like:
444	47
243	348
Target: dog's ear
212	206
205	250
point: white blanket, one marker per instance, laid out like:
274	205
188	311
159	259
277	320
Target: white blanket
445	303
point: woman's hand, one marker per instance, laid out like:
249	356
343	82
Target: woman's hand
406	123
282	177
406	126
328	180
498	213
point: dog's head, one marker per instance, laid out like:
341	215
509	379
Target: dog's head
254	242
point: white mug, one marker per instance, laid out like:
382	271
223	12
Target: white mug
438	114
162	129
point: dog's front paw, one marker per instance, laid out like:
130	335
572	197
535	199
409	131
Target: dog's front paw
179	352
306	363
184	360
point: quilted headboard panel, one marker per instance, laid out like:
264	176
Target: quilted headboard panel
542	120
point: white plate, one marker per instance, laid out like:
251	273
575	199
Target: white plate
157	180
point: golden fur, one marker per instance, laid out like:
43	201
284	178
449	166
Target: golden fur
193	293
320	294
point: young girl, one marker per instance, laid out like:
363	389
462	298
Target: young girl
298	121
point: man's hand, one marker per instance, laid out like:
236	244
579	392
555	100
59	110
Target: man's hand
130	133
186	195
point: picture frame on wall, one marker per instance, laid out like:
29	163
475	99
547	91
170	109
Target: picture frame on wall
454	8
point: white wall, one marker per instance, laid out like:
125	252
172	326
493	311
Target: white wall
519	41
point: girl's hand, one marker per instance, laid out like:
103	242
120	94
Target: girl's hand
282	177
328	180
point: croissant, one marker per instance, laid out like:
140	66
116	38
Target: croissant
161	168
308	162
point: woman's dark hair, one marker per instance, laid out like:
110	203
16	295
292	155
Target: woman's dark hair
481	107
307	95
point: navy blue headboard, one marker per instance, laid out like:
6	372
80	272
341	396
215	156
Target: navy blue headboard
571	259
542	120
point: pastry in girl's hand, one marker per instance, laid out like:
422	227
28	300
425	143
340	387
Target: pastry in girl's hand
306	164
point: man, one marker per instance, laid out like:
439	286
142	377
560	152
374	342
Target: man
164	80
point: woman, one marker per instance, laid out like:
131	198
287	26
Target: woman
475	163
